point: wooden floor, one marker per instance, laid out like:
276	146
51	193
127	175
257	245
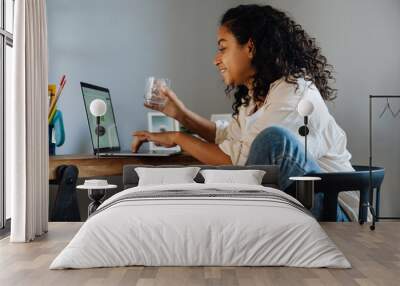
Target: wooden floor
375	257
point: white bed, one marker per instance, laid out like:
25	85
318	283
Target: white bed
185	230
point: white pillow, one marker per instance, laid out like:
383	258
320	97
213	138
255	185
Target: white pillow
249	177
163	176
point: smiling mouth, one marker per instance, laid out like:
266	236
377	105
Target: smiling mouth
222	70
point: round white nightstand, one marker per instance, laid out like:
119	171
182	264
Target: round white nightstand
96	195
305	190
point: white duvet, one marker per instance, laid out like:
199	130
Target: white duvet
200	231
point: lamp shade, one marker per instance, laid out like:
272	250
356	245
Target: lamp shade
98	107
305	107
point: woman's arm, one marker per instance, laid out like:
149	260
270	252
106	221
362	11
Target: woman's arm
198	124
207	153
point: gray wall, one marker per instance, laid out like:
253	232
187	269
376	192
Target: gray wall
119	43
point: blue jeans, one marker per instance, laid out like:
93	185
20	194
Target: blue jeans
278	146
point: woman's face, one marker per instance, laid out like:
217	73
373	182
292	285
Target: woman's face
232	59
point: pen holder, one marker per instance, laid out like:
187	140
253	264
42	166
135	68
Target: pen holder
52	146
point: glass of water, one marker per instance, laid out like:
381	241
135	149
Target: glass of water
152	94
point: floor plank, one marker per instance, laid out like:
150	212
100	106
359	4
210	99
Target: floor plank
374	255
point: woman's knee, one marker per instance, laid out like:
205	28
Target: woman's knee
268	145
274	135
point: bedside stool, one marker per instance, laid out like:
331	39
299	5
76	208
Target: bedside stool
96	195
305	190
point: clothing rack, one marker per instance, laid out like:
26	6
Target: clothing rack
375	216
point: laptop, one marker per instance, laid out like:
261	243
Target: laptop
109	145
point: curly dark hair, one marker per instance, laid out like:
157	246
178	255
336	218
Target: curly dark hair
282	49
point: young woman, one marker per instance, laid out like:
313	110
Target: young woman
269	64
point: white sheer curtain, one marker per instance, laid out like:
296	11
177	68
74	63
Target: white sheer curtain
26	124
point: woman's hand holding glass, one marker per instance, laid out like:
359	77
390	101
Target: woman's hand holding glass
160	97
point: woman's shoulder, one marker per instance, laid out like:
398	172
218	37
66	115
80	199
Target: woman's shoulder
291	91
292	85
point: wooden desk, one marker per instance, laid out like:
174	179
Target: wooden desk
90	166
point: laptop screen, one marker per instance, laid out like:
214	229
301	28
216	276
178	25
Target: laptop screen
108	135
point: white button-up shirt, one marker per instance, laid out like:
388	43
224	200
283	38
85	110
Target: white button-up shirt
326	141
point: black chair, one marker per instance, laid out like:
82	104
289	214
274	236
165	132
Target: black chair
334	183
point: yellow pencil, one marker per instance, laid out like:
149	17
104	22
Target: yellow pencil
52	115
53	104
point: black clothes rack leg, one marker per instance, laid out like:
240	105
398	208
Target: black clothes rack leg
369	204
